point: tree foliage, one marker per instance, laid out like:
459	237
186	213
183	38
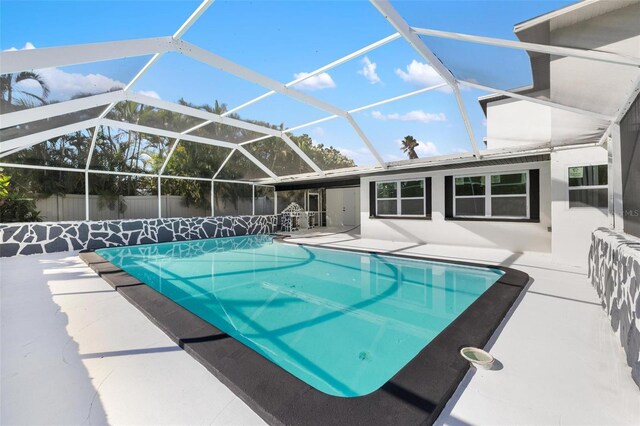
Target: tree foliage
409	145
14	96
126	151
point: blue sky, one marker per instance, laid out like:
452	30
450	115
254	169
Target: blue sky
285	38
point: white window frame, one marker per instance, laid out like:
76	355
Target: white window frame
488	196
399	198
573	188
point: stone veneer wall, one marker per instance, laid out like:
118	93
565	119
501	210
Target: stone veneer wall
614	268
34	238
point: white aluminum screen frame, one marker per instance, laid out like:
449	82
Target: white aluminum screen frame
22	60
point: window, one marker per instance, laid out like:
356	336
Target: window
492	195
588	186
401	198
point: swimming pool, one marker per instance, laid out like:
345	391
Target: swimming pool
343	322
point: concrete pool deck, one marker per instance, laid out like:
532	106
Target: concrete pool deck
74	352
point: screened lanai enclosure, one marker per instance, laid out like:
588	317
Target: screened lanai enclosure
185	120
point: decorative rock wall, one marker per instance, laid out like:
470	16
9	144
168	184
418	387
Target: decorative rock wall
614	269
34	238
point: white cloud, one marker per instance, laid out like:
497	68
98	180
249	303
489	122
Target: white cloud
427	149
150	93
420	74
424	149
361	156
416	115
318	131
369	71
317	82
27	46
393	157
65	85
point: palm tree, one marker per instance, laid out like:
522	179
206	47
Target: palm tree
409	145
14	97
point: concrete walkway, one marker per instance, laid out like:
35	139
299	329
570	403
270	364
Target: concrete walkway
75	352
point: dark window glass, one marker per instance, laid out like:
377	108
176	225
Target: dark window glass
470	207
387	190
412	207
589	198
509	184
414	188
387	207
588	175
470	185
509	206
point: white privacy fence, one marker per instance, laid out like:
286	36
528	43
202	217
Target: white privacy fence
71	207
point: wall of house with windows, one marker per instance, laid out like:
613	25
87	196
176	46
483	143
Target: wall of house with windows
505	207
579	201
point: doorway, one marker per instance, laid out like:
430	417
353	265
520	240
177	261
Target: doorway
343	206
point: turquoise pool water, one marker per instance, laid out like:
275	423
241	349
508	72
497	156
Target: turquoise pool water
343	322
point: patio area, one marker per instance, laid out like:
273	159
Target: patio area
83	354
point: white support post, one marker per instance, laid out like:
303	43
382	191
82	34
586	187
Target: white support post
198	139
169	154
17	118
49	57
159	196
192	19
366	140
538	101
92	147
261	138
198	113
310	123
86	195
397	21
253	199
176	36
301	154
223	164
593	55
615	177
610	188
17	144
397	98
369	106
237	70
275	201
320	70
213	200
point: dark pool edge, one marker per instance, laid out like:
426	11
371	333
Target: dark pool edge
417	394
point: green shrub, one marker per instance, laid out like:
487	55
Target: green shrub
16	207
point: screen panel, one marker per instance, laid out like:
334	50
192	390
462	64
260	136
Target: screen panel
35	88
185	198
43	195
232	199
333	145
126	151
195	159
113	197
278	157
239	167
70	150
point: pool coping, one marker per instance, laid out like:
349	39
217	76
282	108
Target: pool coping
416	394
